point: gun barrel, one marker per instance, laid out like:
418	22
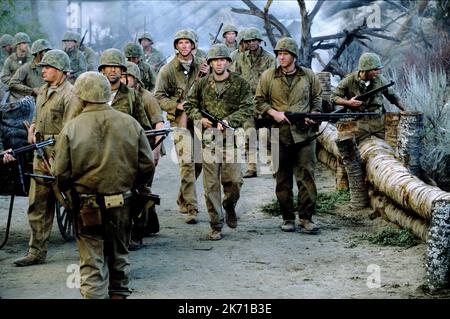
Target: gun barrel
158	132
366	95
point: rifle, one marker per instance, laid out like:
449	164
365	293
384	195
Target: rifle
161	62
217	34
82	39
28	148
365	96
214	120
297	118
158	132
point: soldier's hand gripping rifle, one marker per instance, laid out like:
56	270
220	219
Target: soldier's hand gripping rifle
158	132
28	148
299	118
214	120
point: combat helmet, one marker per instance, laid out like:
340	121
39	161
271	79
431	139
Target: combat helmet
229	28
369	61
145	35
21	37
57	59
92	87
133	69
6	39
240	36
252	33
112	57
40	45
132	50
184	34
71	36
218	51
287	44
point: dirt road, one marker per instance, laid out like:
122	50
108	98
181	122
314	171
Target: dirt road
257	260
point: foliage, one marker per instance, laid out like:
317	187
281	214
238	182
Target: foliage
324	204
392	237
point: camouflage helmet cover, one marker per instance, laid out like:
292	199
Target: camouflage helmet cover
252	33
145	35
57	59
92	87
40	45
132	50
6	39
369	61
133	69
184	34
112	57
287	44
229	28
218	51
21	37
72	36
240	36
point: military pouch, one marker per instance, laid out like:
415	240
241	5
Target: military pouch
90	211
114	201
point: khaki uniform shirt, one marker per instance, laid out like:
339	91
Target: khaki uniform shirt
102	151
251	68
173	84
151	107
78	64
234	102
91	58
352	86
148	76
12	64
26	78
303	95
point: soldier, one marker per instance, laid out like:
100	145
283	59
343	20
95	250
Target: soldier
102	166
134	53
151	55
172	85
227	96
367	78
6	48
28	78
91	57
199	53
242	47
78	62
293	88
18	58
250	65
54	104
229	35
123	98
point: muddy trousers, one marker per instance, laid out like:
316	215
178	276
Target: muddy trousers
189	171
104	263
41	212
296	161
229	175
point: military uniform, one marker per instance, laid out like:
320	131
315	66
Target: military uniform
91	58
78	64
172	85
233	103
148	76
5	40
26	78
155	59
299	93
352	86
98	164
12	64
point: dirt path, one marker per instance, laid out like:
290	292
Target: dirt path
255	261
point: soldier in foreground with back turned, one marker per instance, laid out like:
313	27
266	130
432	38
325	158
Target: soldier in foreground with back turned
54	105
227	96
101	155
293	88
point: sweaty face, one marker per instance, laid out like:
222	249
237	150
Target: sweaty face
285	58
230	37
220	65
112	72
184	46
252	44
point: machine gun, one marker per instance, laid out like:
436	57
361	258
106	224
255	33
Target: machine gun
158	132
28	148
298	118
214	120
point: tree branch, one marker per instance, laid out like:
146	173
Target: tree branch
267	24
315	9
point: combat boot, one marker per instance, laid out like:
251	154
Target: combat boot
30	259
288	226
214	234
191	216
250	174
308	226
231	218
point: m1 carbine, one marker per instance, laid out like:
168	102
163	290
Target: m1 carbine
158	132
28	148
298	118
214	120
364	97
